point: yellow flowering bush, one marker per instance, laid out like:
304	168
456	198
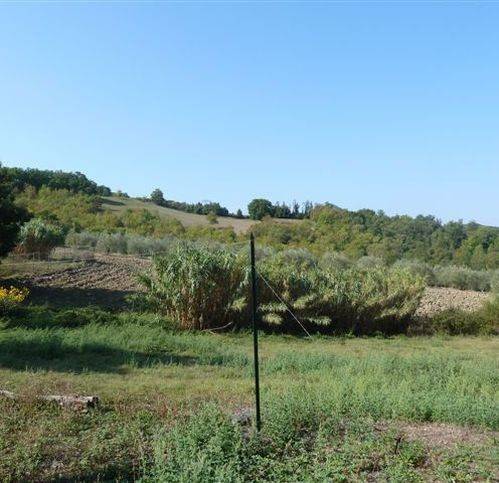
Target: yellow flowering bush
11	297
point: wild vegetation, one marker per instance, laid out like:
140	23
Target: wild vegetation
75	182
76	203
176	395
333	408
11	216
195	286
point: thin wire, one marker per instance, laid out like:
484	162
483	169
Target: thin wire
284	302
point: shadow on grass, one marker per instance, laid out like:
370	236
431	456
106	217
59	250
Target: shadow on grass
60	297
53	354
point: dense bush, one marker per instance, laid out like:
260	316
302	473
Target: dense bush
335	261
353	300
75	182
484	321
120	243
365	232
112	243
201	287
83	239
463	278
40	237
422	269
369	261
196	286
11	216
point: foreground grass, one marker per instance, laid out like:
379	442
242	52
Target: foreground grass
322	401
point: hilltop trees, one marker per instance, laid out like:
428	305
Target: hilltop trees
157	197
259	208
74	182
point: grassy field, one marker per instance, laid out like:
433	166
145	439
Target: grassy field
118	204
420	408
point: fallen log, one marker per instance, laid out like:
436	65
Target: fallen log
69	402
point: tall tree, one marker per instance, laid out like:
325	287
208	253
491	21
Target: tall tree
259	207
11	216
157	197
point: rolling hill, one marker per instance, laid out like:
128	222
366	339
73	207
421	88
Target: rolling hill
120	204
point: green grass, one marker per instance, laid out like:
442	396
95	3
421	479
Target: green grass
151	378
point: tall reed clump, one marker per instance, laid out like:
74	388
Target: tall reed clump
194	285
358	300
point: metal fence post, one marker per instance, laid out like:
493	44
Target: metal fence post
254	313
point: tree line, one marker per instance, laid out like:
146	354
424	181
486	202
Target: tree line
73	202
77	182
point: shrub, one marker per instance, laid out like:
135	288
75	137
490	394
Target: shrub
297	257
484	321
335	261
357	300
463	278
422	269
144	246
369	261
111	243
494	282
11	297
212	218
11	215
195	285
82	239
38	236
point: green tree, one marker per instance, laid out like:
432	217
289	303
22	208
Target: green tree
259	207
157	197
11	216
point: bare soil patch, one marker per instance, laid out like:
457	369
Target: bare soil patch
437	299
105	280
440	435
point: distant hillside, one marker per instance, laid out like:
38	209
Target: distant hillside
78	204
119	204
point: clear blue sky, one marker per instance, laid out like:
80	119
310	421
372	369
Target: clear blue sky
391	106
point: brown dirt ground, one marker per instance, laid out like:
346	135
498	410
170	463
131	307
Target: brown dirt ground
437	299
440	434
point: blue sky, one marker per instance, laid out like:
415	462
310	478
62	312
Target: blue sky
391	106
